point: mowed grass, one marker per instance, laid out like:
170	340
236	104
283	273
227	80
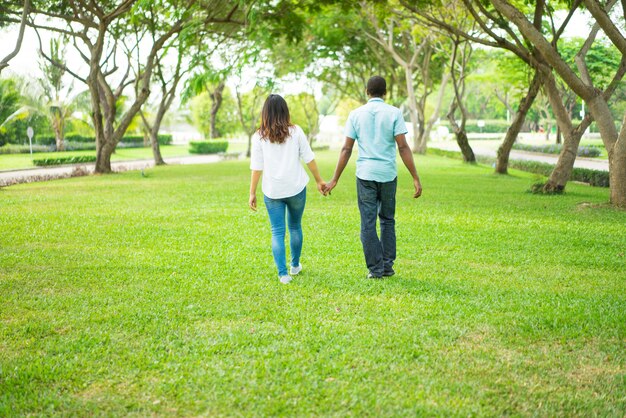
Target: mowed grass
129	296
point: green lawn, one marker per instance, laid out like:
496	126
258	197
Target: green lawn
124	295
20	161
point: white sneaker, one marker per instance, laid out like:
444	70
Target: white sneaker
295	270
285	279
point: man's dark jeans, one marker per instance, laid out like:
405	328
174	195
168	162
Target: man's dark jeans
378	199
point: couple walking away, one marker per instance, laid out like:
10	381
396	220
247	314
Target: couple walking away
277	148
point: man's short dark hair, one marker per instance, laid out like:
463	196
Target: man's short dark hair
376	86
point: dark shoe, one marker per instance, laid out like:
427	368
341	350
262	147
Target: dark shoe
389	273
371	276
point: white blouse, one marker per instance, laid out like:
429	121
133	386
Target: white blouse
283	175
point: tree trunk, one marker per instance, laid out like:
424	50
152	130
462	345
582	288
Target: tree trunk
156	148
216	98
617	169
502	162
103	156
57	125
408	74
461	136
249	145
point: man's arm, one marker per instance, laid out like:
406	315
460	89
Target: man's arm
344	157
407	159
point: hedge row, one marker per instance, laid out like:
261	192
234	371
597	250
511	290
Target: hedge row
596	178
64	160
207	147
492	126
584	151
164	139
23	149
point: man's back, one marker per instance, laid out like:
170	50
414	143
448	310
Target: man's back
374	126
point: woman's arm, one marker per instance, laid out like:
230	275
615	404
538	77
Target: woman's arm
254	182
321	184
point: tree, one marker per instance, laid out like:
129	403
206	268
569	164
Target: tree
304	112
5	11
583	85
249	106
97	30
226	121
413	51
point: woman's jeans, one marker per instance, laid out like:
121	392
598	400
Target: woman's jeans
294	206
378	200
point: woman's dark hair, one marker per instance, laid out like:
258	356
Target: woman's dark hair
376	86
275	121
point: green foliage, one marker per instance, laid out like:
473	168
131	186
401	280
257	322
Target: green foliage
303	111
157	296
208	147
43	162
227	122
583	151
164	139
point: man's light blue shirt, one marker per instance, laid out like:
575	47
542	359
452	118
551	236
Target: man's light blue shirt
374	126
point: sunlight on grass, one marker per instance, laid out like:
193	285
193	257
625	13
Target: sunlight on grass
130	295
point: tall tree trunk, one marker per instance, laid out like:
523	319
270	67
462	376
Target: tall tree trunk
154	142
461	135
59	137
216	98
249	145
417	145
502	161
435	116
617	168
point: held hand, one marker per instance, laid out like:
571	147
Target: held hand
330	186
252	202
321	187
418	188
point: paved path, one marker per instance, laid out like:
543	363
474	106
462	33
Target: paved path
49	173
591	163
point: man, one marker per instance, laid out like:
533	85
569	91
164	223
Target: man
377	127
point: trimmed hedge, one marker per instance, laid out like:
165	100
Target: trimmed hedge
596	178
492	126
43	162
164	139
584	151
207	147
23	149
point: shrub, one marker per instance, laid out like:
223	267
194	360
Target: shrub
207	147
585	151
320	147
24	149
64	160
492	126
596	178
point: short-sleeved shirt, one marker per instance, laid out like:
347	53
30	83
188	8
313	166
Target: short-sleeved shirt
374	126
283	175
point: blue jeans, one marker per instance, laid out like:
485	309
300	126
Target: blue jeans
378	200
294	207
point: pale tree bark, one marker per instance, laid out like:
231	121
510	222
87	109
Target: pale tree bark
417	59
598	106
504	151
4	63
460	60
168	93
216	101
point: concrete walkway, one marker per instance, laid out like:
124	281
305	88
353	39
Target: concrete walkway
29	175
479	149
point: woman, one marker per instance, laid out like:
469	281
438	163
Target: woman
277	148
